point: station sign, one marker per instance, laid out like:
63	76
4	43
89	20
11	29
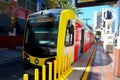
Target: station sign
39	5
39	1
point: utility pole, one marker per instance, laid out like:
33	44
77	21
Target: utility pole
86	19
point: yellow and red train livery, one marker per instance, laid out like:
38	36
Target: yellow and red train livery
51	34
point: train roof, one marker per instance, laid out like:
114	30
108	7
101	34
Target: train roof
51	12
45	13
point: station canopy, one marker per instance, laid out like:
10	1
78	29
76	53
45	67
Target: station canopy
87	3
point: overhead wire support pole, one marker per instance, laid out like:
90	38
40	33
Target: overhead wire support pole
86	19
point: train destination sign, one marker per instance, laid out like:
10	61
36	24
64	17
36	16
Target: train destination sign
37	20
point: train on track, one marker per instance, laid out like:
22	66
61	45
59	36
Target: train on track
51	34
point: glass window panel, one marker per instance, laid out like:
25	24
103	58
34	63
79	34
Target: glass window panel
21	3
28	4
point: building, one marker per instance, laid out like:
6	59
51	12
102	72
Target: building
97	24
100	24
15	14
12	35
108	18
104	24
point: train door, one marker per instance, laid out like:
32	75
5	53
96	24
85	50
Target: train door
87	40
69	39
82	42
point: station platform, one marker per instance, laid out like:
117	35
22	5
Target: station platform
94	64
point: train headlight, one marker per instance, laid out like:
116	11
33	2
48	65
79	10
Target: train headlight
50	60
36	61
26	57
47	62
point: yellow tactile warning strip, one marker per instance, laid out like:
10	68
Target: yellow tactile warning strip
88	68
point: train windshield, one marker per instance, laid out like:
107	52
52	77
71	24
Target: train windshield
42	31
41	37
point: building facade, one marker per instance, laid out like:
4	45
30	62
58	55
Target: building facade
12	22
104	24
14	13
101	24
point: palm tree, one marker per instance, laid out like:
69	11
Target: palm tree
63	4
50	3
4	5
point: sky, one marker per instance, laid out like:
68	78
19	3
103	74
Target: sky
88	12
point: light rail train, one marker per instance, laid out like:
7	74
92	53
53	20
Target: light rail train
51	34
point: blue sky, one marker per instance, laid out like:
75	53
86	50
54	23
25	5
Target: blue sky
88	12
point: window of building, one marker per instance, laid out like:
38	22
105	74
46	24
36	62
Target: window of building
20	24
33	6
110	37
28	4
69	39
21	3
5	24
6	0
35	1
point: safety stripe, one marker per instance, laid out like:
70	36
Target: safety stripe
88	68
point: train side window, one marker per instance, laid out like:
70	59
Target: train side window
69	39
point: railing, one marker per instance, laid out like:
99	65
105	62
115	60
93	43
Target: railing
61	66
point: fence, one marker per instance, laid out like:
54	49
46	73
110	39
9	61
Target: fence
60	67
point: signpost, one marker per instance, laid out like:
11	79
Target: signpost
39	5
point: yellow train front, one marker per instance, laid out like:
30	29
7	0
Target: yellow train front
50	34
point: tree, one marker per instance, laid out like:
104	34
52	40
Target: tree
50	3
63	4
4	7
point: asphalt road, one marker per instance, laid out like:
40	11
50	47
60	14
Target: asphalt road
12	72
